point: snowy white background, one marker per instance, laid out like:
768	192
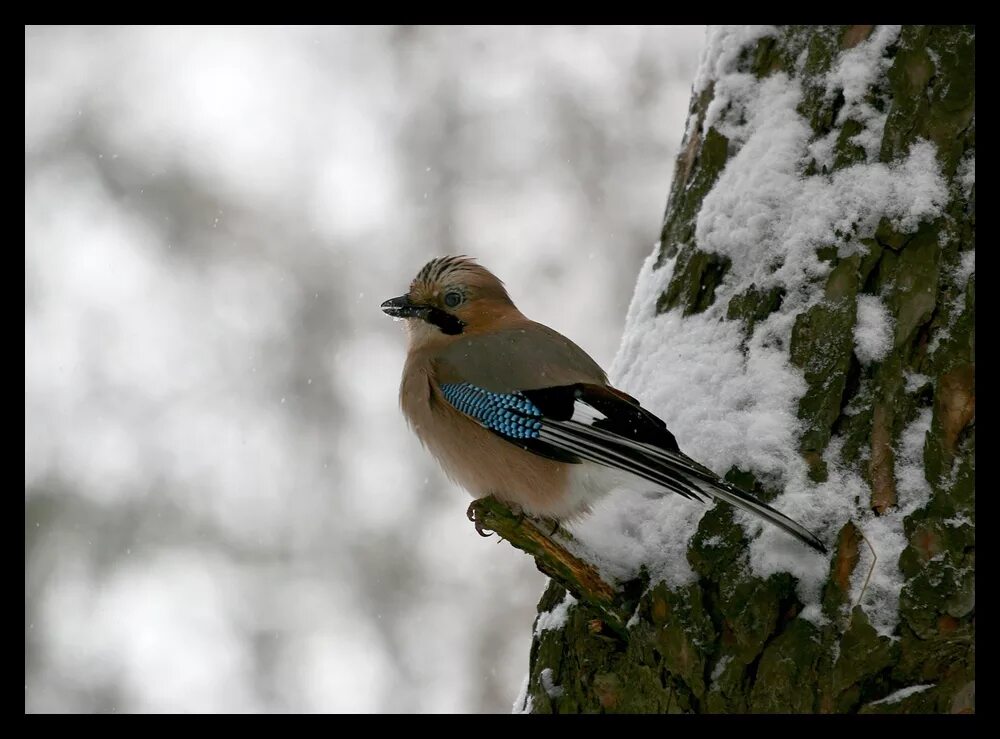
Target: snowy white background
224	510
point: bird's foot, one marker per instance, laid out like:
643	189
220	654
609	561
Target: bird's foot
551	523
470	513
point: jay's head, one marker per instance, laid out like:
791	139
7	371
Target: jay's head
451	296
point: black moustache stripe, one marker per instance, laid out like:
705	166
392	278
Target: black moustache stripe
445	321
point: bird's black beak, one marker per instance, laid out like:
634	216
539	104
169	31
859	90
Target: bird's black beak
402	307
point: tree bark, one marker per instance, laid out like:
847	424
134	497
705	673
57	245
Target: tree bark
733	642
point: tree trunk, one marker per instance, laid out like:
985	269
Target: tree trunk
882	335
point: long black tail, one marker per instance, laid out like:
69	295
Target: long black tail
674	471
739	499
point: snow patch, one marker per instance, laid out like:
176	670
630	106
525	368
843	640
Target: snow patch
731	95
873	330
853	75
858	68
769	220
628	530
720	667
960	276
901	694
914	380
556	618
634	619
966	174
723	46
551	689
966	267
958	521
885	533
523	703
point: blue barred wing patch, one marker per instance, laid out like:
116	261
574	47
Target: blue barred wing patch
510	414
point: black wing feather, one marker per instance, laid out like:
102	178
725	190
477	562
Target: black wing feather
624	416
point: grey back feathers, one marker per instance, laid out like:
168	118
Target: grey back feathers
522	358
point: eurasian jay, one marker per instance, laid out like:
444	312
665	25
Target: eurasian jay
512	408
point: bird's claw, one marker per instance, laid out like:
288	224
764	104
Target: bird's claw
470	513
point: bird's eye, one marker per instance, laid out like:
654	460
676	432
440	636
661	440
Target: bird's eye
453	298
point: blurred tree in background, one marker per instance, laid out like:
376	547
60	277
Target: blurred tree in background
224	510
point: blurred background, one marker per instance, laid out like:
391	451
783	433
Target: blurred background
224	509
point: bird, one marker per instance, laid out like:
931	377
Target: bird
512	408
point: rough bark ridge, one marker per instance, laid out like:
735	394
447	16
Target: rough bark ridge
732	642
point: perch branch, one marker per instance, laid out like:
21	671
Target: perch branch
577	576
